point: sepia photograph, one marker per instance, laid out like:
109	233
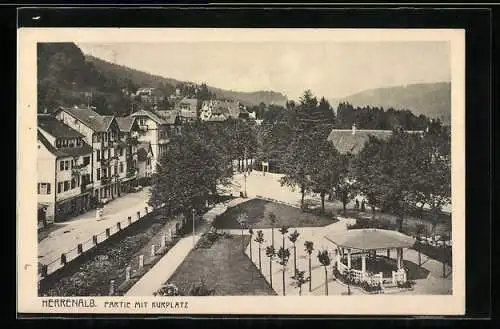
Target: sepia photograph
215	163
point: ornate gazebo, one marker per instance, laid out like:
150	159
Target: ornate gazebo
363	243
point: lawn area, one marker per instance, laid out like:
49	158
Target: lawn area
223	267
258	211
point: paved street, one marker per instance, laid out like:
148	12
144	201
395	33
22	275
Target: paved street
79	229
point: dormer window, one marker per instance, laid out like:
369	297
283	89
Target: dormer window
58	143
65	143
78	142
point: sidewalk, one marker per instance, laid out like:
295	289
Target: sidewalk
83	227
164	269
168	264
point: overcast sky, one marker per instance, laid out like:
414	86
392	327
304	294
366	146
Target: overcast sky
332	70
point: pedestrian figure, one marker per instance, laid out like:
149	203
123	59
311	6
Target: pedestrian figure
357	204
363	205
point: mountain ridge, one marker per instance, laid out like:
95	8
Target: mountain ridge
430	99
151	80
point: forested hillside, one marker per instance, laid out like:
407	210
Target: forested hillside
430	99
67	77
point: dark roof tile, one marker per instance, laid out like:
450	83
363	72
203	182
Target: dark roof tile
56	128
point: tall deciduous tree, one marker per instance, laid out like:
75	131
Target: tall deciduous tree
328	170
190	172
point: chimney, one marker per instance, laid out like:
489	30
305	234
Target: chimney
354	129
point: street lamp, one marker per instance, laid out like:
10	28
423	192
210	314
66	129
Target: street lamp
194	241
245	180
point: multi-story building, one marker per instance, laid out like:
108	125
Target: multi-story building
217	110
150	95
155	130
127	166
102	133
64	164
187	109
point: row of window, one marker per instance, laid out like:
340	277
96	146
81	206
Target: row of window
97	138
69	164
108	172
61	142
68	185
101	153
44	188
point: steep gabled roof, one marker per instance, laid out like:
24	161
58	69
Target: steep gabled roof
56	128
346	142
90	118
67	151
150	115
125	123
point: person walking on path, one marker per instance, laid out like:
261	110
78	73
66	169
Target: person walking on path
363	208
356	206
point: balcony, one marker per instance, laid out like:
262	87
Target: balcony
132	172
132	141
105	180
104	162
87	187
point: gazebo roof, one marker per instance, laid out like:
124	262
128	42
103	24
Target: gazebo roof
370	239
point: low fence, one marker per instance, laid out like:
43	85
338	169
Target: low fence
83	247
294	205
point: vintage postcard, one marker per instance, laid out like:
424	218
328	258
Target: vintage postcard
241	171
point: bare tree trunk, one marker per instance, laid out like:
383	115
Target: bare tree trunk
272	236
294	257
326	281
310	274
283	276
271	271
322	202
260	267
302	192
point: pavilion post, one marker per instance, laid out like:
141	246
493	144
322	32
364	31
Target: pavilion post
363	263
337	256
388	253
399	257
349	258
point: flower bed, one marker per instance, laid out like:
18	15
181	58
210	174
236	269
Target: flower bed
109	262
371	288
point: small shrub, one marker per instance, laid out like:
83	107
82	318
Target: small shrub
406	285
168	289
201	289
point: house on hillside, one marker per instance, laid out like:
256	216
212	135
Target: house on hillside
64	166
103	134
156	130
150	95
215	110
187	109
